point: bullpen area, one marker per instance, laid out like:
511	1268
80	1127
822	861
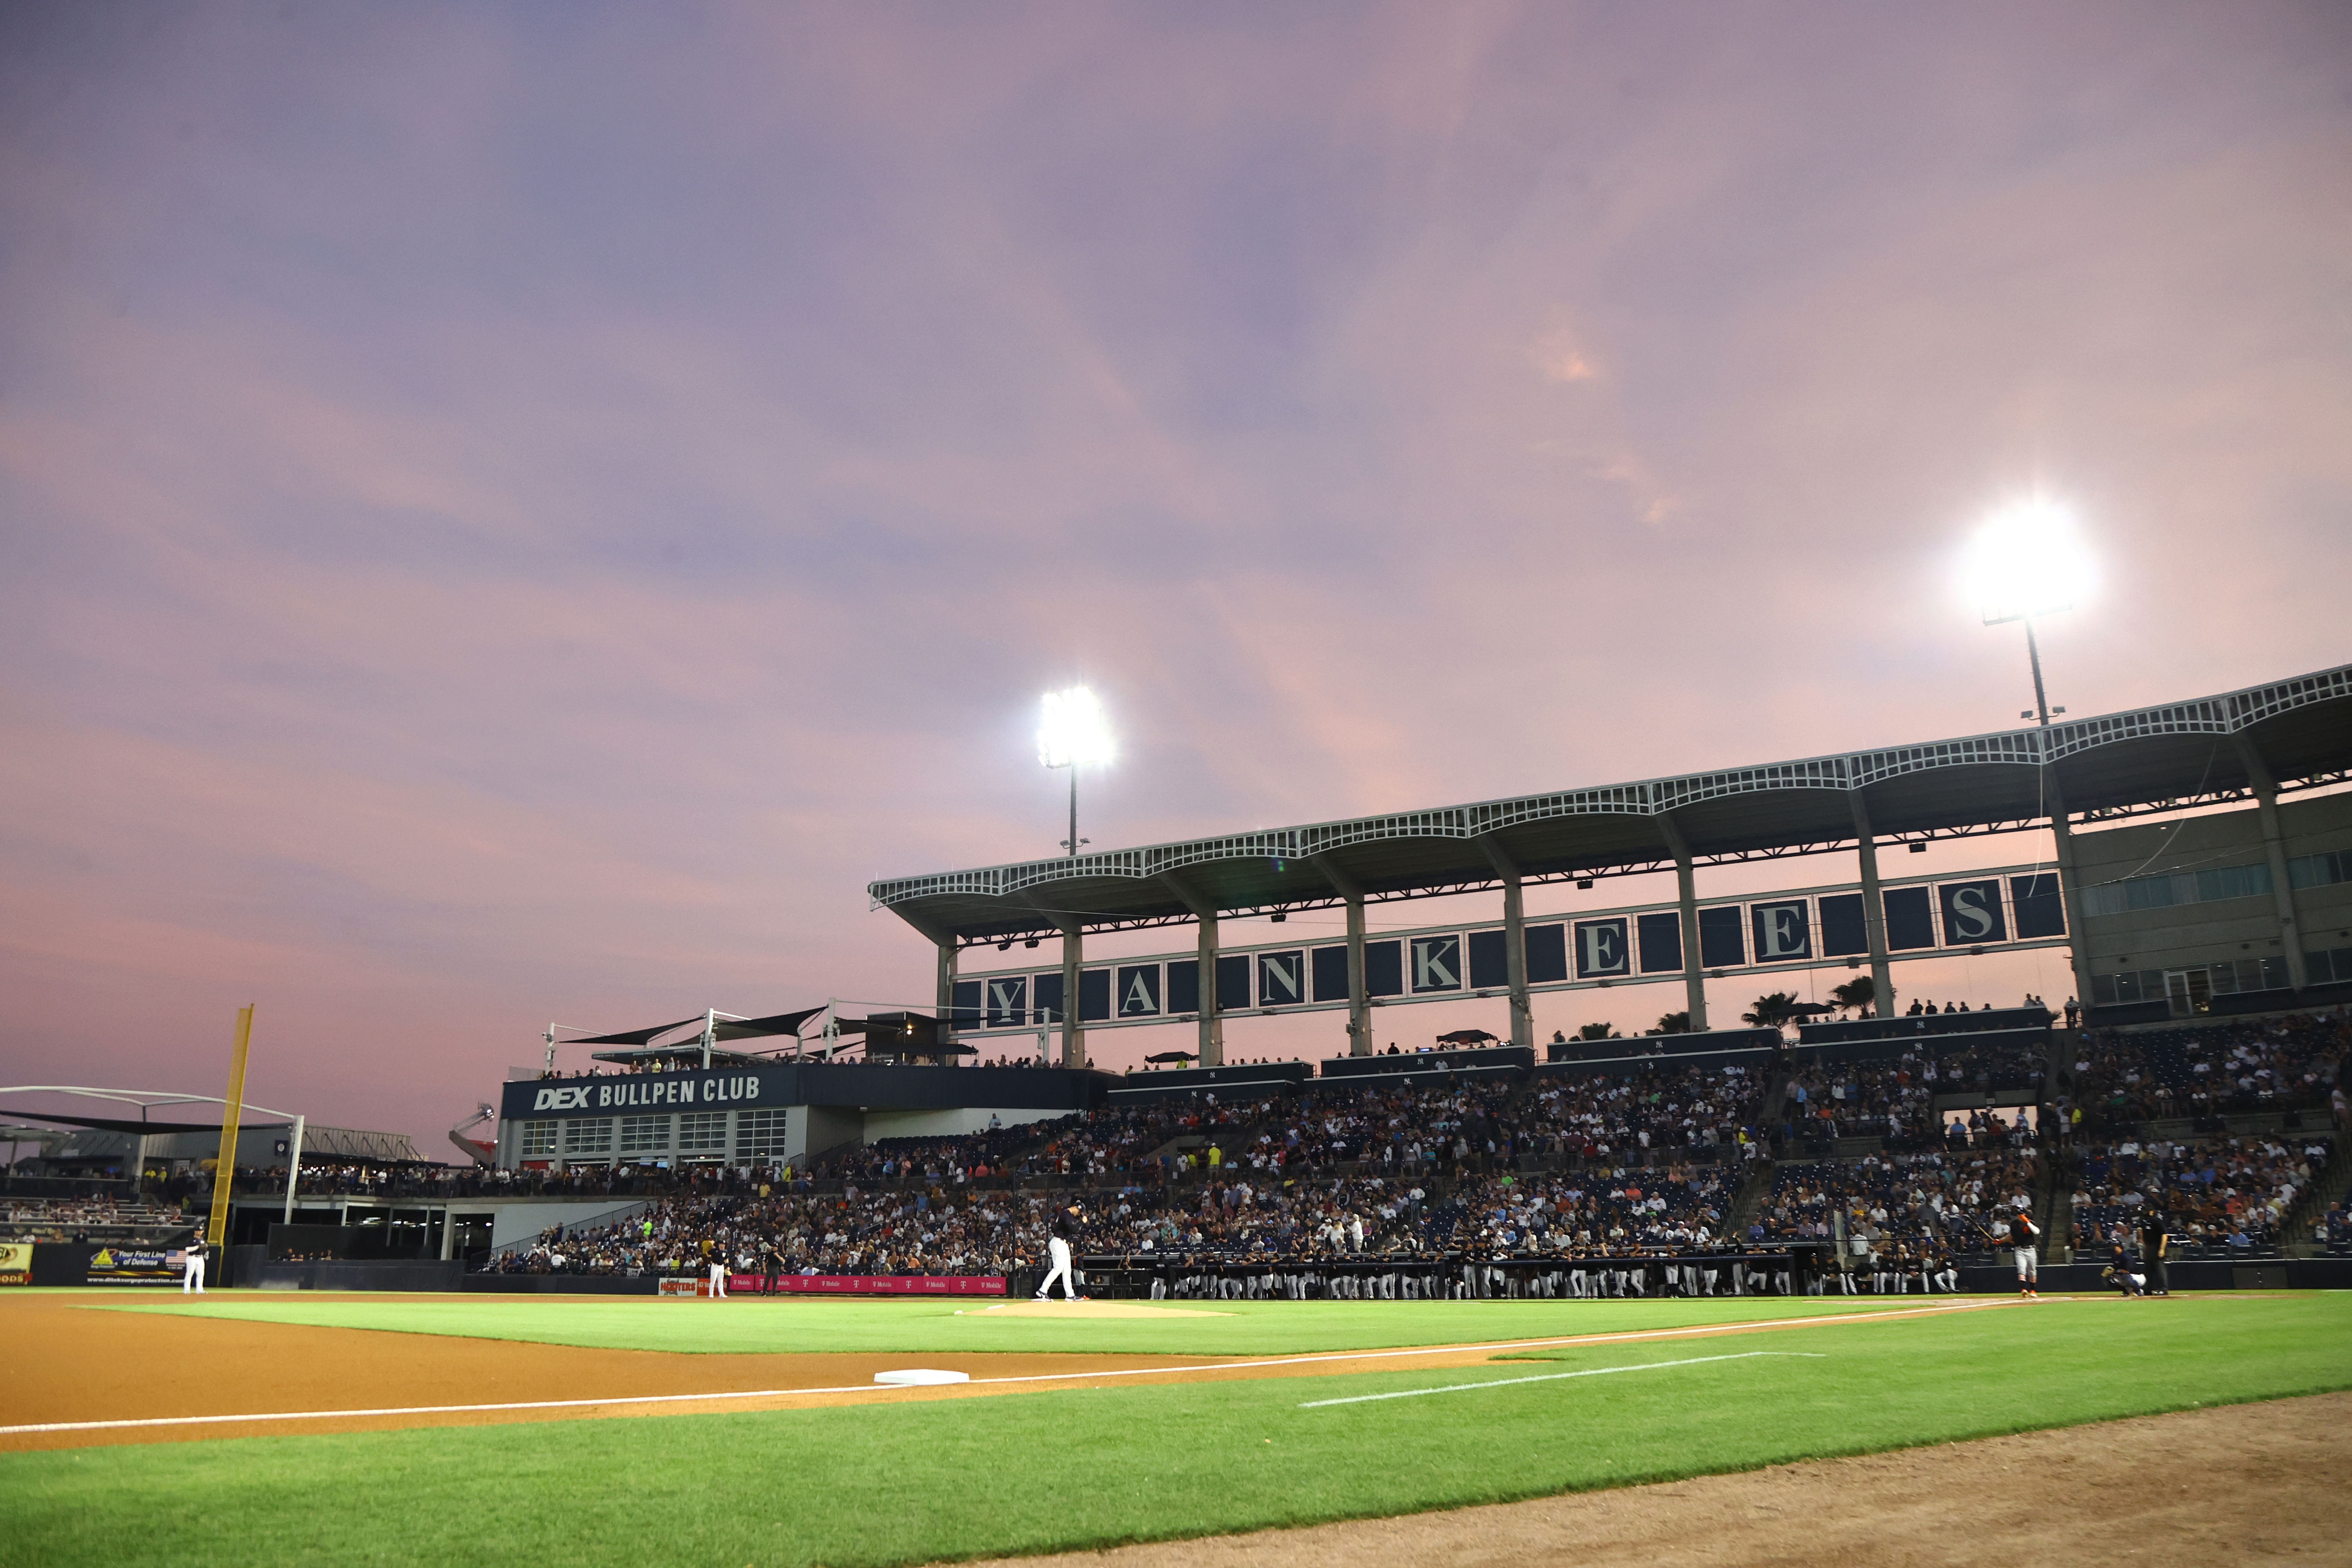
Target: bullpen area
435	1429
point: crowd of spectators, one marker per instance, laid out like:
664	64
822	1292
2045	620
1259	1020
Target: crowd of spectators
2209	1070
970	1231
1894	1102
86	1219
2218	1196
1903	1207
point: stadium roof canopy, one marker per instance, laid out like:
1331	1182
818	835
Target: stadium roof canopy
2198	752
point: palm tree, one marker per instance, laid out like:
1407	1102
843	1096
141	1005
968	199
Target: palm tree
1673	1024
1598	1032
1855	995
1771	1010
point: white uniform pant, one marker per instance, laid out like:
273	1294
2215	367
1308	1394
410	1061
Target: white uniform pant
192	1276
1058	1253
718	1282
2029	1265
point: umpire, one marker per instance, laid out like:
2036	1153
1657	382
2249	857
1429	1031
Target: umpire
2155	1241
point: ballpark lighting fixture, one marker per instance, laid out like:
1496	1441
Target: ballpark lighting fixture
1073	730
2026	562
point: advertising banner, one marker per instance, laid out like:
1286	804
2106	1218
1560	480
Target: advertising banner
15	1263
870	1284
125	1266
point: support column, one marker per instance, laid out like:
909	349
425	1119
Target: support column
1360	999
1074	1033
1686	890
1874	908
2070	893
2257	775
1212	1023
1515	940
946	989
1212	1019
1073	1036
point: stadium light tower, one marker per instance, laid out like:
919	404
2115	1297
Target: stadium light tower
2026	563
1073	731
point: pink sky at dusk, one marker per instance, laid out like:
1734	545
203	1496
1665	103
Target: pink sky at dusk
518	513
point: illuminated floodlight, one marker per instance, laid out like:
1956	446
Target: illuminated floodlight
2026	560
1074	730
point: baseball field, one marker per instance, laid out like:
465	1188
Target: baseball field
243	1428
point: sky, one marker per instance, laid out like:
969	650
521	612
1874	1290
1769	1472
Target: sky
518	513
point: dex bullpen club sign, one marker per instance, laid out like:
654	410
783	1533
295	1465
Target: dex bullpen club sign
605	1096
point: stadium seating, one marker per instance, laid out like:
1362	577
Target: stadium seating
2222	1197
88	1219
2290	1064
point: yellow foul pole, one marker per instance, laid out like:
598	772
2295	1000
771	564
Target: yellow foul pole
224	1170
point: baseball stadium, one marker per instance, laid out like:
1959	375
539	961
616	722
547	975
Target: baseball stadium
906	1282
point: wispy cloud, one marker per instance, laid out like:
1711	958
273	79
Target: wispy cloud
508	514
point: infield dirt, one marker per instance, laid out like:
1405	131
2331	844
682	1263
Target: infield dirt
2257	1484
72	1359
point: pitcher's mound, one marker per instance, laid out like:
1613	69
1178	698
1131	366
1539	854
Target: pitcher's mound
1059	1309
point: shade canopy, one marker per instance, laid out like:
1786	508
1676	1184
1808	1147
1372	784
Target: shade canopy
2296	732
723	1029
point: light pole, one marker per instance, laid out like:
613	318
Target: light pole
2024	564
1073	731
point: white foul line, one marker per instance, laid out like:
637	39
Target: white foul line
1689	1331
1555	1377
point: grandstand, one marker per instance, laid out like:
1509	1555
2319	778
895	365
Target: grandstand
2281	906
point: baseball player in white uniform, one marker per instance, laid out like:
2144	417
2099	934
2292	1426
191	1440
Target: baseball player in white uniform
1057	1252
192	1266
718	1276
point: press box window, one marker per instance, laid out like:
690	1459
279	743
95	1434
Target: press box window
537	1139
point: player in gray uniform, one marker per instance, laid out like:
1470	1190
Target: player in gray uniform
2022	1235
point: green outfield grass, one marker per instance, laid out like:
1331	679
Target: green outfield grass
745	1326
913	1482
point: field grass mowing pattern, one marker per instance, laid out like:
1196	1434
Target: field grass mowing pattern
1243	1328
866	1487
